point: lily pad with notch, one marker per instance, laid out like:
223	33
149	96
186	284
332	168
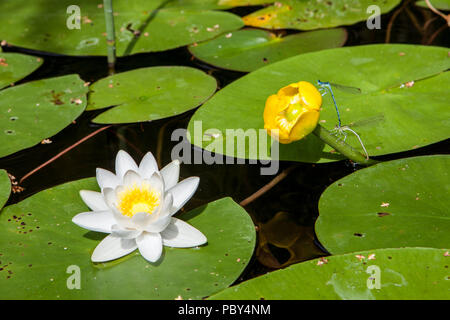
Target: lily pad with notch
382	274
16	66
149	93
140	25
400	203
403	104
312	14
36	110
249	49
40	246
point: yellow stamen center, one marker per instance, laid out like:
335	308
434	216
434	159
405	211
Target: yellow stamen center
287	119
136	199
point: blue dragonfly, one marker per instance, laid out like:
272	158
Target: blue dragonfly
325	87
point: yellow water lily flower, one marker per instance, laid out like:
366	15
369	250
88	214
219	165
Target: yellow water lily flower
293	112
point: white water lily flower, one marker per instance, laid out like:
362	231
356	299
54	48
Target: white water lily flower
136	206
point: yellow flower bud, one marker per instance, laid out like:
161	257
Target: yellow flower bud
294	112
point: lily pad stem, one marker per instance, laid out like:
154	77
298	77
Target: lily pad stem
343	148
110	35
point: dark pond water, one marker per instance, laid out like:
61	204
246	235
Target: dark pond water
297	195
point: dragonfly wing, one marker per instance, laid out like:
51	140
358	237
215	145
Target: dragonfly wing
348	89
374	120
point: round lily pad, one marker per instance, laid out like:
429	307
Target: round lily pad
313	14
150	93
249	49
43	252
382	274
79	28
400	203
5	187
37	110
16	66
402	105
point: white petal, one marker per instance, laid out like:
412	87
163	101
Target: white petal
124	162
183	191
93	200
131	177
120	232
168	202
112	248
100	221
158	225
180	234
141	219
124	221
171	174
156	182
106	179
150	246
110	197
167	209
148	166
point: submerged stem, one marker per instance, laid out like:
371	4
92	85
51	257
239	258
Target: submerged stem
342	147
110	35
64	152
267	187
445	17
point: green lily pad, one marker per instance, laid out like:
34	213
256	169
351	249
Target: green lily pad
198	4
140	26
37	110
313	14
249	49
16	66
400	203
244	3
5	187
150	93
400	274
437	4
39	242
403	103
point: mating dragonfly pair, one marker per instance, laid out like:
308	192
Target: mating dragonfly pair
324	87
